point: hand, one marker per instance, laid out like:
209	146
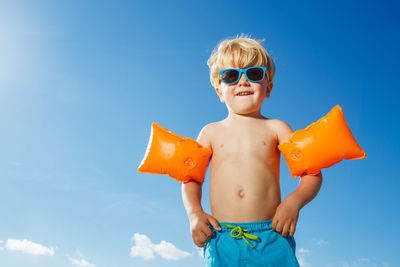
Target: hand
285	218
199	222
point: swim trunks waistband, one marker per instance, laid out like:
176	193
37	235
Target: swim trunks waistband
251	226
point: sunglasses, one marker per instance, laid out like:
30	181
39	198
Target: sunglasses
253	74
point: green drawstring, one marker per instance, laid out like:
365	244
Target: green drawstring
241	232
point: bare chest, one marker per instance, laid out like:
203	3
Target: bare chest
245	145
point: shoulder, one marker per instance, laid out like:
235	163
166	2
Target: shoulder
206	133
282	130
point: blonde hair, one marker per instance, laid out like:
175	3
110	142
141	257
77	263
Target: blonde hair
240	52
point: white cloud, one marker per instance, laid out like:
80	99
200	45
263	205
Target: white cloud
79	253
29	247
145	249
1	247
301	258
303	250
168	251
322	242
81	262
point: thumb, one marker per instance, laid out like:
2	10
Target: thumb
214	223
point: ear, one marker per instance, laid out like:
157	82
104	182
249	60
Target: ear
219	93
270	84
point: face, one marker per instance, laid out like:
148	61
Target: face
244	97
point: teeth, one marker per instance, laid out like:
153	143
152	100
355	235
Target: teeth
245	93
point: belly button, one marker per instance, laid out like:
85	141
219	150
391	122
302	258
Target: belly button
241	193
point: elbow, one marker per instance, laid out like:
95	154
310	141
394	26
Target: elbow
314	179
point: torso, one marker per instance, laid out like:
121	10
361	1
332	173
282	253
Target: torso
244	171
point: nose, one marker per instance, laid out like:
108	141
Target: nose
243	81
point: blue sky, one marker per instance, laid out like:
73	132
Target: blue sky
81	82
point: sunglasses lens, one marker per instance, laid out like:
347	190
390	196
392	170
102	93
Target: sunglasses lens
255	74
230	76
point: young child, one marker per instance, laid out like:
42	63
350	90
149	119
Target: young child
253	227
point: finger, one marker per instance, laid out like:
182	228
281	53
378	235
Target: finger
274	223
208	233
285	229
201	238
292	229
198	242
207	230
214	223
278	227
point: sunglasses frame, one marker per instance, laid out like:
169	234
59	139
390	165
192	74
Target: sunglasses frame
240	74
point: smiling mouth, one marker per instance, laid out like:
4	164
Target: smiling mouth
244	93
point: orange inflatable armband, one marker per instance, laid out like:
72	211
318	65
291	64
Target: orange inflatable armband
180	157
321	145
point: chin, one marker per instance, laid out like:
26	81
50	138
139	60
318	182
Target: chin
245	112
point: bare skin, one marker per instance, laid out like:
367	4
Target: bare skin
245	167
244	171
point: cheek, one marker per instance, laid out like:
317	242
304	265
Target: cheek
263	90
226	91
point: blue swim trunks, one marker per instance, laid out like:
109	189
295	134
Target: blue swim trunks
249	244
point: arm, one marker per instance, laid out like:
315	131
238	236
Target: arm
191	197
306	191
287	213
191	190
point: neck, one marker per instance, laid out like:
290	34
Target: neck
246	117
